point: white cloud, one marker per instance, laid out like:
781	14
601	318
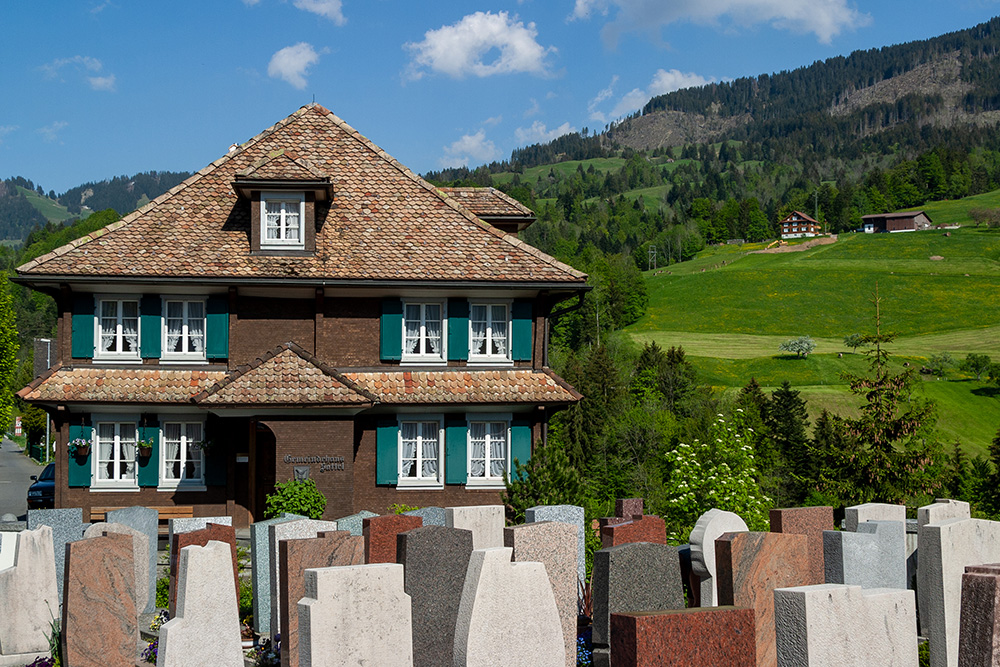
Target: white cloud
470	148
533	109
51	132
664	81
292	63
824	18
331	9
250	3
538	133
460	49
87	63
102	82
493	120
5	130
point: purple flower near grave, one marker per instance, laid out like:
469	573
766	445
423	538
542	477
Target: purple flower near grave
42	661
149	653
584	652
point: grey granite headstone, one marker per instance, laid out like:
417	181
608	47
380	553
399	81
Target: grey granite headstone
570	514
872	557
639	576
67	526
140	562
287	530
432	516
13	526
260	556
354	524
196	523
435	560
147	522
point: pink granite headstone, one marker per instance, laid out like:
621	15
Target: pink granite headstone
648	528
808	521
380	535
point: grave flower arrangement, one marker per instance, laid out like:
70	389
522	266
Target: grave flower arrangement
78	447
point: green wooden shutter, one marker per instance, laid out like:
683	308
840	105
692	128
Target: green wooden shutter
83	326
458	329
150	326
78	467
217	327
149	469
387	451
520	443
456	459
391	330
521	330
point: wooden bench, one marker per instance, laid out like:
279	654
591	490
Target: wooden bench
166	512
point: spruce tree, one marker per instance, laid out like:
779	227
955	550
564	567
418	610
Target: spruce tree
787	421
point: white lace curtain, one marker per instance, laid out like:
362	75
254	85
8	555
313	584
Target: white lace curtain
425	436
422	323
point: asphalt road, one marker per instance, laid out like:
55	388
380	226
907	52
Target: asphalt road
15	478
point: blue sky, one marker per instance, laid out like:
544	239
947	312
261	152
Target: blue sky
92	89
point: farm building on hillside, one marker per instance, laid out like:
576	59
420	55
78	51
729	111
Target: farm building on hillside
907	221
799	225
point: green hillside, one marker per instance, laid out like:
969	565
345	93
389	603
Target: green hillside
53	211
956	212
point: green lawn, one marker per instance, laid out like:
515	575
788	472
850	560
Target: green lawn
52	211
956	212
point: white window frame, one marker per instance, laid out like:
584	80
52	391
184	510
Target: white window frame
120	484
426	357
283	243
165	352
420	482
180	484
119	333
487	481
488	358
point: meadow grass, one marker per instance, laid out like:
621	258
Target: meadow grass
956	212
52	211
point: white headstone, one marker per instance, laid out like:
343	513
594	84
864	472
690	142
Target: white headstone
355	615
206	629
941	510
507	613
872	512
485	521
872	557
710	526
8	546
29	596
833	625
946	548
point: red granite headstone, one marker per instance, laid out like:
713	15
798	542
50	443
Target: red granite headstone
202	537
380	535
627	508
811	522
327	549
716	636
100	624
648	528
749	566
979	630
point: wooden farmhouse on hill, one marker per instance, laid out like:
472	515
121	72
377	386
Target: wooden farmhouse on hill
799	225
907	221
303	307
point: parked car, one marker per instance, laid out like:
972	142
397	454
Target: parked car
42	494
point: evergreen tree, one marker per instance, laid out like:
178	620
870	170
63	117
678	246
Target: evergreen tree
548	478
787	421
8	355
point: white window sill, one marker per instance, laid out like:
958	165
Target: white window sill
490	361
183	360
474	483
283	246
182	488
118	360
105	488
423	361
422	485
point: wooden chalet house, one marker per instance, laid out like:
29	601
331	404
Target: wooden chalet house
798	225
304	306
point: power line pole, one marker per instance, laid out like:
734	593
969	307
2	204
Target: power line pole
652	257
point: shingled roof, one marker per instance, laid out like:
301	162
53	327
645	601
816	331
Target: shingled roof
465	386
489	202
384	223
135	384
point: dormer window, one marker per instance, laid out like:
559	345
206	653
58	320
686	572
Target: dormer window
282	220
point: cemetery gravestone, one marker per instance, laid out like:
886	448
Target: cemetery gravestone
873	557
140	557
489	626
858	514
832	625
633	577
201	537
710	526
355	615
627	508
808	521
570	514
29	586
554	546
12	526
380	535
8	548
435	561
183	639
942	509
485	521
716	636
147	522
979	631
354	524
750	567
175	526
260	574
100	623
946	548
647	528
327	549
432	516
288	530
67	526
